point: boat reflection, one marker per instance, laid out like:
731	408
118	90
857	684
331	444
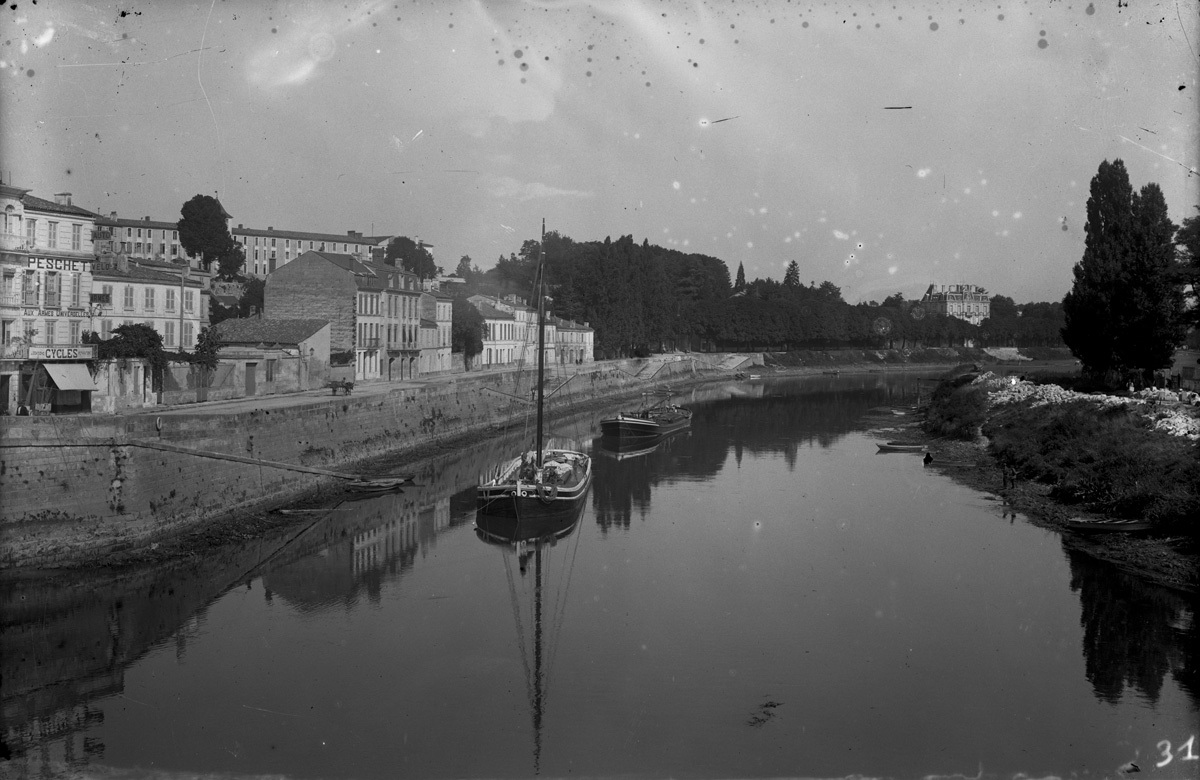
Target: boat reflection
532	539
627	449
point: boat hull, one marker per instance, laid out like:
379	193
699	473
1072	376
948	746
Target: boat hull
625	426
889	447
1107	526
507	496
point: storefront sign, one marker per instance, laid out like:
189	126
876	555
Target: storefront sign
59	264
62	353
77	313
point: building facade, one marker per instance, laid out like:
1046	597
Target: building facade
168	298
373	309
46	262
964	301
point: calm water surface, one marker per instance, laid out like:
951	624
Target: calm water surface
762	595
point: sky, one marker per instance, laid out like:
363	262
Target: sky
883	146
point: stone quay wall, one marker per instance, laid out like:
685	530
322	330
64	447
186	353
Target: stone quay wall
77	486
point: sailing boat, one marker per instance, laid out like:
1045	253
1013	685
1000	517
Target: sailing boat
532	539
542	481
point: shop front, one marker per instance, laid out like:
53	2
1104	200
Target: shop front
56	380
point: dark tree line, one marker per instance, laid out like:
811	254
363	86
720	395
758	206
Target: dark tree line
641	298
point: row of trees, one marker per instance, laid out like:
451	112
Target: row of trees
1127	311
641	298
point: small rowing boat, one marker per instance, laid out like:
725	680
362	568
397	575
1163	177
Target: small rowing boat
901	446
1113	525
381	485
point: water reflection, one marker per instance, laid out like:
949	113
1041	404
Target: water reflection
66	647
530	541
1134	633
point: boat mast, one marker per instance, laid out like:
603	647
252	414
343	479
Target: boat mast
541	356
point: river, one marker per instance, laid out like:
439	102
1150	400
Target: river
760	595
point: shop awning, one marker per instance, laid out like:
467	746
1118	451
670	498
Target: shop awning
70	376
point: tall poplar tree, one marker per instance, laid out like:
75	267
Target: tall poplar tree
1090	307
1152	315
1125	308
740	281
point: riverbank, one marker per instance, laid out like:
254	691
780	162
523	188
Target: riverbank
1083	458
111	491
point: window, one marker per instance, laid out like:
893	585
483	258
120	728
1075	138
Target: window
174	250
169	333
108	291
149	301
170	302
105	329
272	246
53	289
51	326
52	236
74	327
31	230
139	235
128	232
77	237
188	300
128	297
76	284
186	339
174	235
270	369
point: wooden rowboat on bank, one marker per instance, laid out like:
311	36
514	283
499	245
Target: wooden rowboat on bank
900	446
1083	525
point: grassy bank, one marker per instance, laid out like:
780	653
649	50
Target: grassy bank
1079	457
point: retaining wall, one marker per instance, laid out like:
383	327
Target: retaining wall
70	485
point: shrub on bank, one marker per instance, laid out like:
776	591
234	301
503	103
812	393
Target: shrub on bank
957	408
1107	459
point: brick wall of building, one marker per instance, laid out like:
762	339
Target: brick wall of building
311	287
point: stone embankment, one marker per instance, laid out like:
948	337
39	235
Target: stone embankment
78	487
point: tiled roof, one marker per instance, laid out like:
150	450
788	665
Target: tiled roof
256	331
301	235
41	204
490	312
139	273
133	223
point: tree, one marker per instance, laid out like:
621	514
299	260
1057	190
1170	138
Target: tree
791	277
1187	239
407	254
203	232
464	269
466	330
1151	302
740	283
1124	310
1002	306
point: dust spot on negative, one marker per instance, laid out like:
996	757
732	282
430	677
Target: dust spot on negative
518	54
933	26
1091	9
29	73
1043	43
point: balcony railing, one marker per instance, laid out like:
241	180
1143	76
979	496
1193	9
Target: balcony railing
371	343
9	299
14	241
14	351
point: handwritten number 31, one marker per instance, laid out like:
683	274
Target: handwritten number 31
1165	747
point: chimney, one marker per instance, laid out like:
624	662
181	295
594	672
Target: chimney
112	215
145	219
270	228
240	226
62	198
